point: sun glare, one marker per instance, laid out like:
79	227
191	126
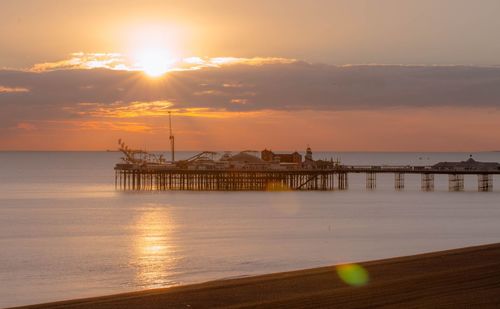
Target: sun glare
154	62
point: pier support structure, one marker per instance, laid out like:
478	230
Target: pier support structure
157	177
371	180
399	181
144	179
427	182
484	183
456	182
342	182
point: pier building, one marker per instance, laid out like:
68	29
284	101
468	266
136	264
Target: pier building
469	165
269	156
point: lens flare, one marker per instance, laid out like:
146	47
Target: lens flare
353	274
277	186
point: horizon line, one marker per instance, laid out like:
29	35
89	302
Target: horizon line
285	150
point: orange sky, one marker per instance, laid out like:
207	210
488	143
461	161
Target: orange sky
340	75
435	129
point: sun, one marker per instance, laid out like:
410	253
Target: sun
154	62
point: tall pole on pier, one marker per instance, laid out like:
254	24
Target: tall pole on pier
172	143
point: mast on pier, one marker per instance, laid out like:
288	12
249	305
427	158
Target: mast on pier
172	140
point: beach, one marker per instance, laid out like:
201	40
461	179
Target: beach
452	278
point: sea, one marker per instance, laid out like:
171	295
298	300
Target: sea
66	233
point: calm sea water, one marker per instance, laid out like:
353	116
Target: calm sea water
66	233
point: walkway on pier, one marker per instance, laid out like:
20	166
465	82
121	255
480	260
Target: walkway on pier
455	176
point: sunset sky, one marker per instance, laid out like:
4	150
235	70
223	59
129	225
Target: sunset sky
385	75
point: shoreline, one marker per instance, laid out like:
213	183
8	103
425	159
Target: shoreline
457	277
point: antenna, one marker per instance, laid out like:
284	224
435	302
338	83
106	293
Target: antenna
172	142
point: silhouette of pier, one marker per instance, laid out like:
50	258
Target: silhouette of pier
144	177
245	171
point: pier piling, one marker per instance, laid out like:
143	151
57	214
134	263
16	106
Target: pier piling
484	182
456	182
371	180
233	180
399	181
427	182
343	183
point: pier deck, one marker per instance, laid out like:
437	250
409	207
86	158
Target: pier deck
167	177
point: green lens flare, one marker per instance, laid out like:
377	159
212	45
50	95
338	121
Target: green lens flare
353	274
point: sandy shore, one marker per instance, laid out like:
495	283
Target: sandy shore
468	277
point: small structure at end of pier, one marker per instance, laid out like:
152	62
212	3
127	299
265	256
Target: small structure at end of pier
469	165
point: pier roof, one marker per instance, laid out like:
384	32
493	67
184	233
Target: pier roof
470	164
245	157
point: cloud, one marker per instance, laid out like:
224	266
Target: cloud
112	61
4	89
239	101
117	61
238	85
79	125
121	109
26	126
113	126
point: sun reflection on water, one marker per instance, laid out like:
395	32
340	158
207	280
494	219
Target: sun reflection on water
154	255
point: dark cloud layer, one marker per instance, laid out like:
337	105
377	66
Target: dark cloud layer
241	87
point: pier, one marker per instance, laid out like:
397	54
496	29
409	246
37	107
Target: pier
246	172
269	171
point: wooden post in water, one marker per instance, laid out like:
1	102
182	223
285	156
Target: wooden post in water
371	180
484	183
427	182
399	181
456	182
